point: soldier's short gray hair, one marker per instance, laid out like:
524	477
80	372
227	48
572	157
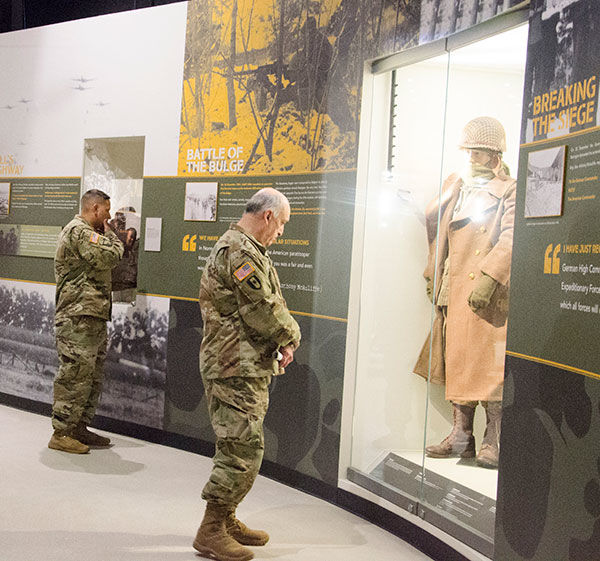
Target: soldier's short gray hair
267	199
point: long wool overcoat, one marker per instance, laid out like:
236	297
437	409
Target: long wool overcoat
468	348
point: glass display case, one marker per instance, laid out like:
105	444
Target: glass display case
116	166
434	254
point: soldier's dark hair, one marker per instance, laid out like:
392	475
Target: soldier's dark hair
92	197
267	199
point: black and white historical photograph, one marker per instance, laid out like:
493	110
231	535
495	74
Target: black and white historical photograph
28	358
126	224
4	198
135	367
440	18
9	239
286	98
136	362
561	59
201	201
545	182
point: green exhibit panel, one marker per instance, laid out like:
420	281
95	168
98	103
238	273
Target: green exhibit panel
311	257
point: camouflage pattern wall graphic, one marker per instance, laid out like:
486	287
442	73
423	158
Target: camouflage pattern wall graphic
302	427
440	18
548	486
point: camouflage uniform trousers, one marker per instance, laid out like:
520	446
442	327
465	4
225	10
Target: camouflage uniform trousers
81	345
237	407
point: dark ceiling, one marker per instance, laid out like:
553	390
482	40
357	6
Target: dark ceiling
23	14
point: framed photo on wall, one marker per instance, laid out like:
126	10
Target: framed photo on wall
545	182
201	201
4	199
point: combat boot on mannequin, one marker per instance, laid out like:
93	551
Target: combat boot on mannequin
212	539
83	434
241	533
460	441
490	445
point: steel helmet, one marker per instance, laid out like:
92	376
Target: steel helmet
484	133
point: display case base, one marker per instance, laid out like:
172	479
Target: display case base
461	512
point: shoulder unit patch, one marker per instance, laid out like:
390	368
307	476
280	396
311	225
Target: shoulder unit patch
95	237
254	282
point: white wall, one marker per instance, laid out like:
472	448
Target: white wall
131	65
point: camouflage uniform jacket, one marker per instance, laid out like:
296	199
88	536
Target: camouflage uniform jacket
82	269
245	315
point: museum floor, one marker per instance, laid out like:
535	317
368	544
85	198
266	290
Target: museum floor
141	501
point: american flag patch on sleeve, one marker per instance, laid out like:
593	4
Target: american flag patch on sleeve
245	270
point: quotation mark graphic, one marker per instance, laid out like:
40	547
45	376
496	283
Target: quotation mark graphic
552	263
189	243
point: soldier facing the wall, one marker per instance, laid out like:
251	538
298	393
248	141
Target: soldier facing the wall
249	336
87	251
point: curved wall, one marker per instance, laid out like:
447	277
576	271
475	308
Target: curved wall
226	94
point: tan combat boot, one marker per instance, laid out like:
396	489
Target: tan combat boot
460	441
490	445
66	443
212	539
242	534
83	434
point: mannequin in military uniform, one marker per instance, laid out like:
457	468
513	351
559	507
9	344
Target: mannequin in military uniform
87	251
467	279
249	336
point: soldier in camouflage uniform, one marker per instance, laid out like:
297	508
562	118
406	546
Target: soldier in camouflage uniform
249	336
87	251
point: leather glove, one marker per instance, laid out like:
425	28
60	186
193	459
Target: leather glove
482	293
429	289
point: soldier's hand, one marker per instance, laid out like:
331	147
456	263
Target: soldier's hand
482	293
287	354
